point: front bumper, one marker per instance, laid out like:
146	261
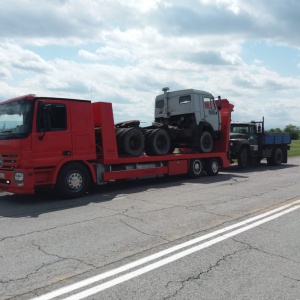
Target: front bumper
9	184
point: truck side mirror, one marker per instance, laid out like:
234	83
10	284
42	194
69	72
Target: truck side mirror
258	128
44	123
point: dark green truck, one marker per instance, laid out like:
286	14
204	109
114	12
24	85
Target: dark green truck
249	144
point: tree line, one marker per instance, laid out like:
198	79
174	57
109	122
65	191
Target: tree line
293	130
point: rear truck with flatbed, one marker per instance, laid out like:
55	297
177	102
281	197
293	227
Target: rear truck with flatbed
69	144
249	144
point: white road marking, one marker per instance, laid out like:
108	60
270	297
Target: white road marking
275	213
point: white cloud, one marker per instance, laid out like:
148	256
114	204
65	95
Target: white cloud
108	52
142	5
15	57
126	51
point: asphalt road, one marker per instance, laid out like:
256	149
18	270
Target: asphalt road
233	236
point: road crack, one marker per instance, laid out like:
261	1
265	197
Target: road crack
265	252
196	278
142	232
60	258
56	227
291	278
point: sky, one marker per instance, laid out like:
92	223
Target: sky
125	52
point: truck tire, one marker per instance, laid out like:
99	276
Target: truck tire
195	168
206	142
158	142
212	166
119	132
73	181
119	136
243	158
133	142
277	157
130	141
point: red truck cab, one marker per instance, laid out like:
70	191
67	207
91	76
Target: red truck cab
33	149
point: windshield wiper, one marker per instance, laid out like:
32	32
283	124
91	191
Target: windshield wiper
7	131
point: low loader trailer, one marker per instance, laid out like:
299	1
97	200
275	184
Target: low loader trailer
69	145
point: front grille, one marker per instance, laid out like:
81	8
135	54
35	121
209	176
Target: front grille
9	161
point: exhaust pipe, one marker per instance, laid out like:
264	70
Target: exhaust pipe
166	113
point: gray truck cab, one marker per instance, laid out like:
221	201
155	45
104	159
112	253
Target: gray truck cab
186	107
194	112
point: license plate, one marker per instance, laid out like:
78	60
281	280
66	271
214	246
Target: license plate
2	175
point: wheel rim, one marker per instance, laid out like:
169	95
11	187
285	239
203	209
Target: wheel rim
206	142
134	143
74	181
161	143
197	167
214	167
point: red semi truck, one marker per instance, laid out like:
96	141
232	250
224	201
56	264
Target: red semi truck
69	144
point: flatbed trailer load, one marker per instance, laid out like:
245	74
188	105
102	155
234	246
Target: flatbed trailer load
69	145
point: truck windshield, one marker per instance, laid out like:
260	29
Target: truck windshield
239	128
15	119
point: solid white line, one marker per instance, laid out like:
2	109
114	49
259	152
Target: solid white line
157	255
173	258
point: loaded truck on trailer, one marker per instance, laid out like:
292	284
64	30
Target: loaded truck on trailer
69	144
249	143
186	118
191	117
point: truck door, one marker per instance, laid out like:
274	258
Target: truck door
211	112
253	140
51	145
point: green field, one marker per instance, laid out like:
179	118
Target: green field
295	148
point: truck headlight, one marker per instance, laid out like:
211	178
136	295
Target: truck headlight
19	176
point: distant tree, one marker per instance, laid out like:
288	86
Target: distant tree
293	130
275	130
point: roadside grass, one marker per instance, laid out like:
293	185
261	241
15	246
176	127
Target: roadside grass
295	148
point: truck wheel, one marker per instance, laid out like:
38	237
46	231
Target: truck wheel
212	167
243	158
277	157
158	142
133	142
73	181
195	168
206	142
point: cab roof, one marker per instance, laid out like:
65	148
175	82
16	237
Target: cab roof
34	97
243	123
183	93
